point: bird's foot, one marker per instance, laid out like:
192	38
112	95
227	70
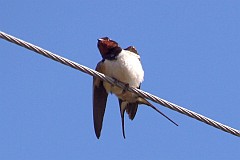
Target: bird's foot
115	81
125	88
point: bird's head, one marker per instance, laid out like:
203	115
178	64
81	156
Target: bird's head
108	48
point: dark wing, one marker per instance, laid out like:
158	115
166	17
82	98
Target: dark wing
131	49
99	101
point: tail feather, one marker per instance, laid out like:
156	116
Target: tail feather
131	110
122	111
144	101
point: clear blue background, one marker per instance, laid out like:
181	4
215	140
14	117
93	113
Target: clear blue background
190	52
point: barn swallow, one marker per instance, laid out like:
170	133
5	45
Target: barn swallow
123	65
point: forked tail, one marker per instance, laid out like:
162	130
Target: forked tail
144	101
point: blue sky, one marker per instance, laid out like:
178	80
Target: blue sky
190	55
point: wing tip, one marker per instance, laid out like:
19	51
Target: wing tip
98	136
97	133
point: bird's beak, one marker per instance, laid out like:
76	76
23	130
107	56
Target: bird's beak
100	39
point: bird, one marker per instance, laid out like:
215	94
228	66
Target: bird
122	65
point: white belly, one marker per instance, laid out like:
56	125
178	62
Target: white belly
127	69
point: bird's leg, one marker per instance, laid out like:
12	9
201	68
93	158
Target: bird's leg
126	85
124	92
115	81
126	95
125	88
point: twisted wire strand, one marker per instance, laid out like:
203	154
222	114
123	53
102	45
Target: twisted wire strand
119	84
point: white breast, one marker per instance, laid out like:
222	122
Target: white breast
126	68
